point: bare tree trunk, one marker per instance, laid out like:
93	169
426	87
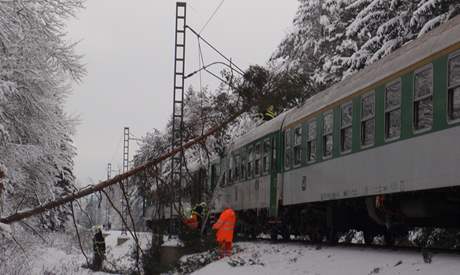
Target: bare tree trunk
99	187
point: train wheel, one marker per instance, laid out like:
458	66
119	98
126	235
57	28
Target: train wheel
332	237
368	237
286	235
389	237
252	234
274	235
315	237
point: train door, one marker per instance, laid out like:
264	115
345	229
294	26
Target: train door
274	165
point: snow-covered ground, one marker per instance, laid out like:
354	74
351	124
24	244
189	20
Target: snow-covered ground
172	242
58	258
59	253
267	258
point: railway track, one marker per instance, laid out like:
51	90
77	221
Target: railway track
426	252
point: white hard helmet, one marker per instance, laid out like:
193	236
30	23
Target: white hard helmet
187	212
97	228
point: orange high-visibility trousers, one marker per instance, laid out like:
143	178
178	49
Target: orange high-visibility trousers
225	248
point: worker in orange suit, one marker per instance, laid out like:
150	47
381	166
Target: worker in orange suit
224	227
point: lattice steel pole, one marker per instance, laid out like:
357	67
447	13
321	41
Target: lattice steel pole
109	171
124	209
107	205
178	100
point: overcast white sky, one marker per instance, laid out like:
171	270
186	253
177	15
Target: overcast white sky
128	49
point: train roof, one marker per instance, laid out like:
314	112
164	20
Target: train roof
413	53
260	131
444	37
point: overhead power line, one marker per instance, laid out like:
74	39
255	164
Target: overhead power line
212	16
215	49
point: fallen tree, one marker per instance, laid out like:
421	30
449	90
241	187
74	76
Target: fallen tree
117	179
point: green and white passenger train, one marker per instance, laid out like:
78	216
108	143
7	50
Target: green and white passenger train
378	152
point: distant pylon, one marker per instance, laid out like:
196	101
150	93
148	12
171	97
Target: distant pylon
107	206
124	206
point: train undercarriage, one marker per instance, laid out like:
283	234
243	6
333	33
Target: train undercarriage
390	216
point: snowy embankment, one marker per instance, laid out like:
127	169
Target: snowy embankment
59	253
57	257
267	258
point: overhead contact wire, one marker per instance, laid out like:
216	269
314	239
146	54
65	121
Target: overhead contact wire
212	16
215	49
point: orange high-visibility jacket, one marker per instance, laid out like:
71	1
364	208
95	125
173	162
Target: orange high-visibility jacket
225	226
192	222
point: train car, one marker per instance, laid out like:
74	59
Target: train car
378	151
250	174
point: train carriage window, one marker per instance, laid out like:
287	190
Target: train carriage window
237	167
367	119
311	141
273	148
213	176
298	146
243	165
454	87
346	127
423	99
257	161
393	110
287	149
266	158
230	169
327	134
229	180
224	179
250	160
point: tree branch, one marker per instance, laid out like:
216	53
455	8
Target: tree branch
99	187
122	220
128	208
78	234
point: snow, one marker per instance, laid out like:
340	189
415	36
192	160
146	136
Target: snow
432	42
172	241
267	258
52	259
60	254
119	255
5	228
38	65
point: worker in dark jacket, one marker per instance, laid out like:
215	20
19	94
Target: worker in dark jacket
195	220
99	249
201	211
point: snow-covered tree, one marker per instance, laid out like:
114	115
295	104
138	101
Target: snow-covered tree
332	39
36	63
202	109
